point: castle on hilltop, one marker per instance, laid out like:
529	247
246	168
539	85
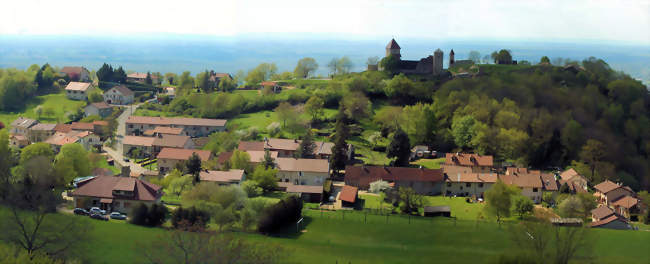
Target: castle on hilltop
432	64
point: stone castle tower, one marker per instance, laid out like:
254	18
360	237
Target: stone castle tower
393	49
451	58
437	62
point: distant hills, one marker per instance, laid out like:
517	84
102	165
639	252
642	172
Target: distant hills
177	53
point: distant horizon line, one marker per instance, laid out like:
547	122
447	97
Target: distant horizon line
278	36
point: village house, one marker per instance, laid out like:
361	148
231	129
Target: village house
612	222
286	147
101	109
170	91
216	77
601	212
141	77
608	192
529	182
80	74
272	86
478	163
169	157
117	194
628	207
193	127
302	171
87	139
576	182
161	130
78	90
21	126
257	156
230	177
347	197
119	95
308	193
150	146
549	183
461	181
423	181
18	141
40	132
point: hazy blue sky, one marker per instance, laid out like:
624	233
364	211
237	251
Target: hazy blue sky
555	20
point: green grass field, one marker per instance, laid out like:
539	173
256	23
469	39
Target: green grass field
429	163
354	237
57	102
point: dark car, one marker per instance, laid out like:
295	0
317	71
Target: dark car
99	217
126	159
80	211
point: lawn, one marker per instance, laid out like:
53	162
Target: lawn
57	102
459	207
354	237
429	163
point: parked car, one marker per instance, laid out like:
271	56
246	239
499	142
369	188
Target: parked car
126	159
96	210
99	217
118	216
80	211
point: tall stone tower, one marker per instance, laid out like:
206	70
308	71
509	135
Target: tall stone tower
437	62
393	49
451	58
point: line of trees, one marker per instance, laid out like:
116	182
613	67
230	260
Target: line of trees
106	73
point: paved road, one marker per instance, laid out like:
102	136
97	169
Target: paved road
116	152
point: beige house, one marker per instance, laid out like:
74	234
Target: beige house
80	74
608	192
286	147
423	181
117	194
302	171
168	157
78	90
530	182
119	95
40	132
18	141
193	127
462	181
101	109
21	126
151	146
141	77
223	177
87	139
478	163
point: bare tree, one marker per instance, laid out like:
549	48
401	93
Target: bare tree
539	242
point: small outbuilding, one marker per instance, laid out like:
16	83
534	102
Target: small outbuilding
432	211
576	222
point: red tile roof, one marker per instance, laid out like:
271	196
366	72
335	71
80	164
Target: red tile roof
601	212
77	86
362	176
392	44
103	186
626	202
268	83
523	180
175	121
464	159
348	194
82	126
471	177
171	141
222	176
606	186
608	220
305	165
183	154
223	157
64	128
251	145
549	182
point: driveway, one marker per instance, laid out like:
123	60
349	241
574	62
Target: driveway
117	150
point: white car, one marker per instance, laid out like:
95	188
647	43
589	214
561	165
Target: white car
96	210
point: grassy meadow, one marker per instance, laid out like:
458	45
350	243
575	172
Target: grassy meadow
57	102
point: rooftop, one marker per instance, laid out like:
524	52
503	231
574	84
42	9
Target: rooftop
103	186
222	176
464	159
606	186
364	175
77	86
122	89
305	165
348	194
183	154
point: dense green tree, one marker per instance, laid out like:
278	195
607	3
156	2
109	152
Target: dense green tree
418	121
265	178
71	162
35	150
340	149
523	205
147	79
314	107
194	167
545	59
240	160
498	199
105	73
261	73
357	106
390	64
305	67
592	153
409	201
95	97
119	75
307	146
203	81
463	130
399	148
268	162
226	84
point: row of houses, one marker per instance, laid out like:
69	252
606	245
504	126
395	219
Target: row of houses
192	127
25	131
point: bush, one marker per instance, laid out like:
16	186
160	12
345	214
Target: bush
252	188
286	212
149	216
189	217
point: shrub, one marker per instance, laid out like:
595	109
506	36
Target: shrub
252	188
287	211
378	186
189	217
149	216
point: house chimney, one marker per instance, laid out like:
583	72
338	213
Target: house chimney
458	177
126	171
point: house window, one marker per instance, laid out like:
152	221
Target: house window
534	189
468	184
449	184
480	185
